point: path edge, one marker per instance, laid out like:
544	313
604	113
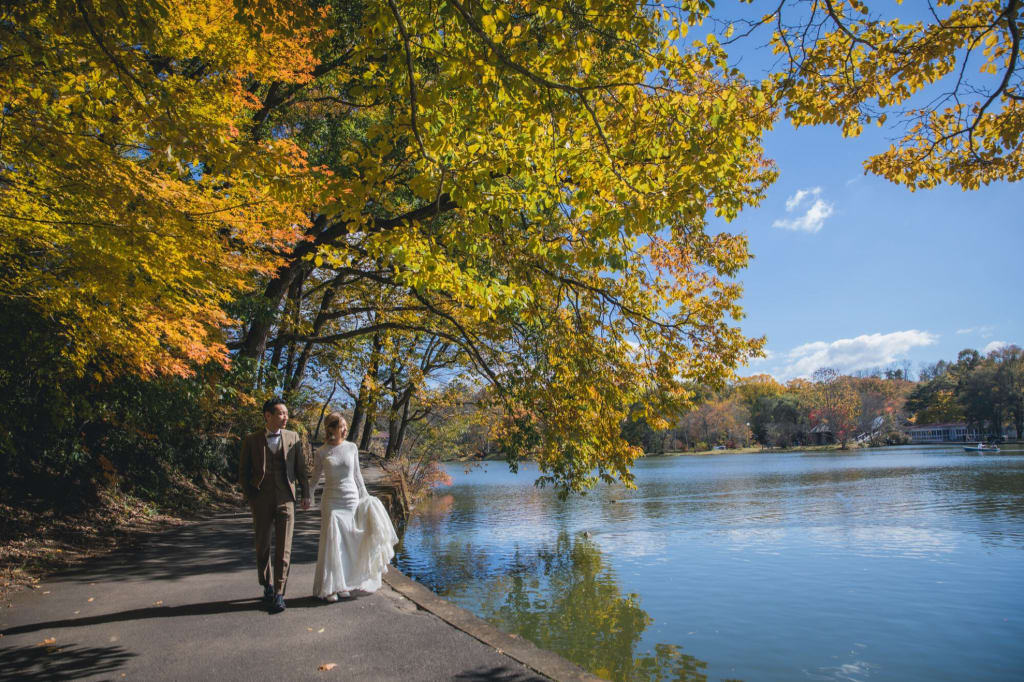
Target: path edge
539	660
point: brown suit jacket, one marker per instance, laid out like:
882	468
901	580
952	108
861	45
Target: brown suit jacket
254	463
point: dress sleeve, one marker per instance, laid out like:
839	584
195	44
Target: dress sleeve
358	473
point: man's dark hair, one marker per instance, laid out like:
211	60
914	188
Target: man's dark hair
269	406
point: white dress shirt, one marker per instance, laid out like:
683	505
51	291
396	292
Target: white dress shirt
275	441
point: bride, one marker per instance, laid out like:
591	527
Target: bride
356	535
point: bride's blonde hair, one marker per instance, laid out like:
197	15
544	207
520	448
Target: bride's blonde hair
334	423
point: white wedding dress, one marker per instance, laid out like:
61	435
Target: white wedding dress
356	536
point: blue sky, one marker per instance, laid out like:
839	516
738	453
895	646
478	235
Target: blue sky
858	272
854	272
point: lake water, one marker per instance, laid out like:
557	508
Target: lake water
899	564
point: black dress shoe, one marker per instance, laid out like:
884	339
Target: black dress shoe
278	605
268	594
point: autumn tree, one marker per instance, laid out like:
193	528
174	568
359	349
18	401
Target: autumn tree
946	79
134	206
529	184
836	403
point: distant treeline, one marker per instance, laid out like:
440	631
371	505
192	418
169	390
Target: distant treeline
986	392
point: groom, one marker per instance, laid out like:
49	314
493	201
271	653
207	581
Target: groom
270	464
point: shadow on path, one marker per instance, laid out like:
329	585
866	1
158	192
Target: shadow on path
68	662
199	609
497	674
194	550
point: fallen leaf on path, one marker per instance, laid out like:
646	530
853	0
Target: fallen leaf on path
77	612
48	641
90	598
320	630
46	592
328	666
310	629
158	603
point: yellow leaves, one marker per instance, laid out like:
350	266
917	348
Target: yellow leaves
871	62
135	247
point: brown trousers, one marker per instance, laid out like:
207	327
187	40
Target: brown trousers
273	512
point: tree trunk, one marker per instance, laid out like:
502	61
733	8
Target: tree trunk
263	320
275	357
295	297
394	422
371	417
358	411
404	422
316	434
307	350
259	329
371	394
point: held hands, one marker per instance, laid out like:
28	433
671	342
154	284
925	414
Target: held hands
306	503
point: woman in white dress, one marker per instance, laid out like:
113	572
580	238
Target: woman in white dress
356	536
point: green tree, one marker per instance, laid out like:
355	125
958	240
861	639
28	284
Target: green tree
1010	379
935	401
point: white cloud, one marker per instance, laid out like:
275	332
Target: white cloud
768	355
995	345
801	194
813	219
849	355
985	330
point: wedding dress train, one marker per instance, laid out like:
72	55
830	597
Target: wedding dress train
356	536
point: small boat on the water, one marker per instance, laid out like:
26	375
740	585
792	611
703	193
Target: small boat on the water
981	447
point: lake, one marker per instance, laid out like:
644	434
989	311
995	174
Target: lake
882	564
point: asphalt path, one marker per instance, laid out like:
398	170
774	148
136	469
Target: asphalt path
186	605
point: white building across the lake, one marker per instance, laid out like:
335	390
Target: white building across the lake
941	433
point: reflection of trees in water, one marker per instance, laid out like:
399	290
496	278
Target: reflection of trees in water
454	563
569	601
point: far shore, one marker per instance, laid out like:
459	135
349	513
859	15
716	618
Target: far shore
758	450
834	447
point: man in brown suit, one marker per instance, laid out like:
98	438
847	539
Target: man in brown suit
270	465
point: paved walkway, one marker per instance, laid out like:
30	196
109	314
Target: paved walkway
185	606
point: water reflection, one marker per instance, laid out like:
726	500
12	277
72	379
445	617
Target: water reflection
567	599
868	566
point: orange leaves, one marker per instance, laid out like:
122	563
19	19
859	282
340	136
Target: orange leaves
147	205
324	667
